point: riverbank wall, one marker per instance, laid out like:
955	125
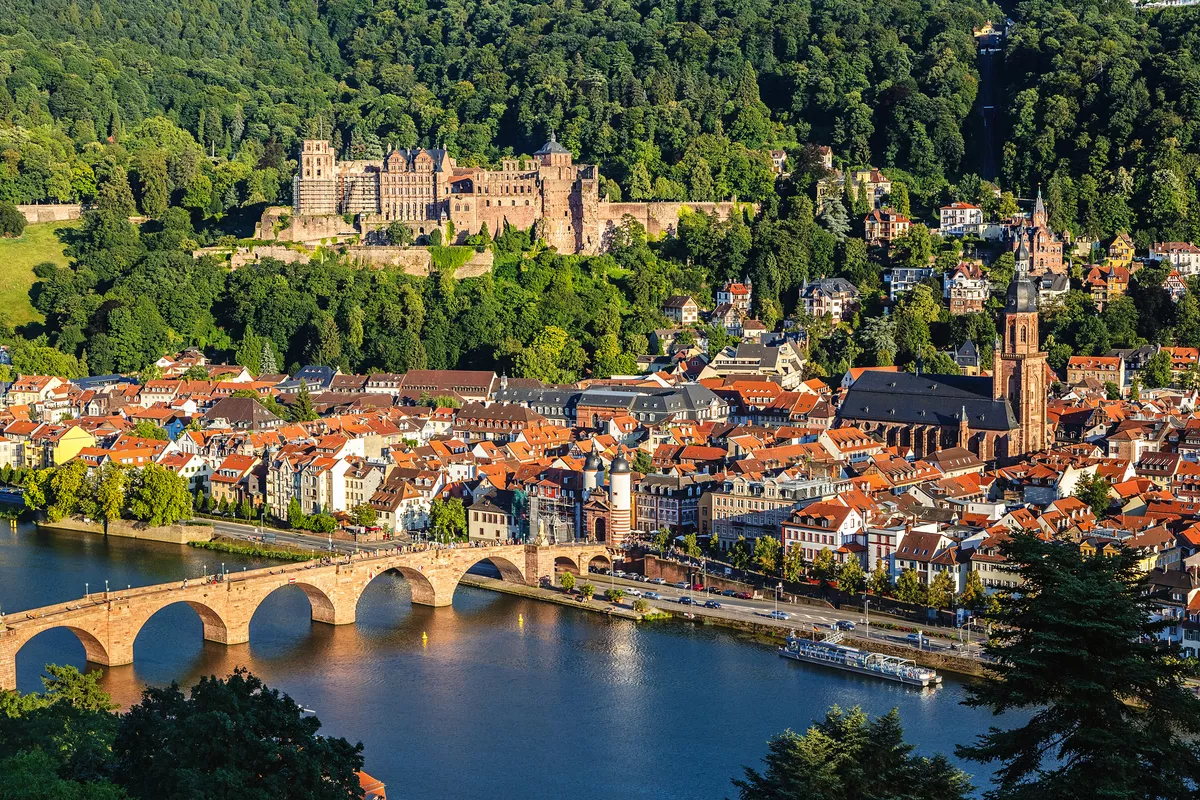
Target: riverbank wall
125	529
764	630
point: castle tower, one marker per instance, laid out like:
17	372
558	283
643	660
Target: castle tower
620	497
593	473
314	189
964	430
1019	366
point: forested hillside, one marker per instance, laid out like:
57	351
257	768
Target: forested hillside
190	112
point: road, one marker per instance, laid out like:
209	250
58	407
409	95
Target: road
802	616
250	533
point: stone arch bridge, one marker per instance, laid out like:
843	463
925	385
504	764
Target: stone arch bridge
107	623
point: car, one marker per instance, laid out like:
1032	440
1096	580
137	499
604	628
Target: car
638	578
729	593
779	615
681	585
685	601
632	592
659	581
713	590
918	639
619	574
697	587
743	596
711	604
653	596
844	625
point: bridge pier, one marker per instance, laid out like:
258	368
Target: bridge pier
8	666
227	634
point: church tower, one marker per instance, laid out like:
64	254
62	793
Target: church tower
1019	367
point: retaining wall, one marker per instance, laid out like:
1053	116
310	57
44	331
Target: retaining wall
53	212
125	529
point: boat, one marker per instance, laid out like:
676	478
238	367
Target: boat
830	652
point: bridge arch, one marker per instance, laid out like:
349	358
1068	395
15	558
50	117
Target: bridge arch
566	564
598	560
216	628
421	589
509	571
93	648
323	607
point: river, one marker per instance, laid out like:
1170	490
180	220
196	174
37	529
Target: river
567	704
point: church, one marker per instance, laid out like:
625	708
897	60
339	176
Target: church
998	418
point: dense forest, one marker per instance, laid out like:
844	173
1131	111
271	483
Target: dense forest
189	115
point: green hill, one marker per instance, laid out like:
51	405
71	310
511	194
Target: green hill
18	257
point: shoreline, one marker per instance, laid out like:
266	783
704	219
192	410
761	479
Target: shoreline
764	631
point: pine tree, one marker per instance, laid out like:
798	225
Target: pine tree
267	363
848	755
302	410
1103	707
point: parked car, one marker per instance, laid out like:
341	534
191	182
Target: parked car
711	604
659	581
619	574
713	590
639	578
729	593
653	596
844	625
744	596
697	587
632	592
685	601
681	585
779	615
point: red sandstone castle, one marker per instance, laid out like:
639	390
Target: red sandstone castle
428	191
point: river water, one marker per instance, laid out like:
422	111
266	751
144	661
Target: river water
567	704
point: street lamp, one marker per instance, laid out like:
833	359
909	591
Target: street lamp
867	615
778	589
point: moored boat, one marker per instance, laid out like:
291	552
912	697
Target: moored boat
831	653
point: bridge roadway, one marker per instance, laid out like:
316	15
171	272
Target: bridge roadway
107	623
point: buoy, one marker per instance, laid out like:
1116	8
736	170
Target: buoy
424	638
520	619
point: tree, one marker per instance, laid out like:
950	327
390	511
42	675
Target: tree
587	591
639	182
909	588
1106	706
662	538
567	581
399	234
614	595
766	553
641	606
145	429
269	748
295	515
244	509
110	482
824	567
851	578
739	554
1157	372
302	410
12	221
365	515
793	564
641	462
691	547
848	755
1095	491
941	590
973	595
158	496
880	582
447	519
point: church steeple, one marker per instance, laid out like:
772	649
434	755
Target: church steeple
1019	373
1039	210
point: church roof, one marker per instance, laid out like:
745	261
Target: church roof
552	147
908	399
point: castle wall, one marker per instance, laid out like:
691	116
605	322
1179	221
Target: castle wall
54	212
414	261
658	218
